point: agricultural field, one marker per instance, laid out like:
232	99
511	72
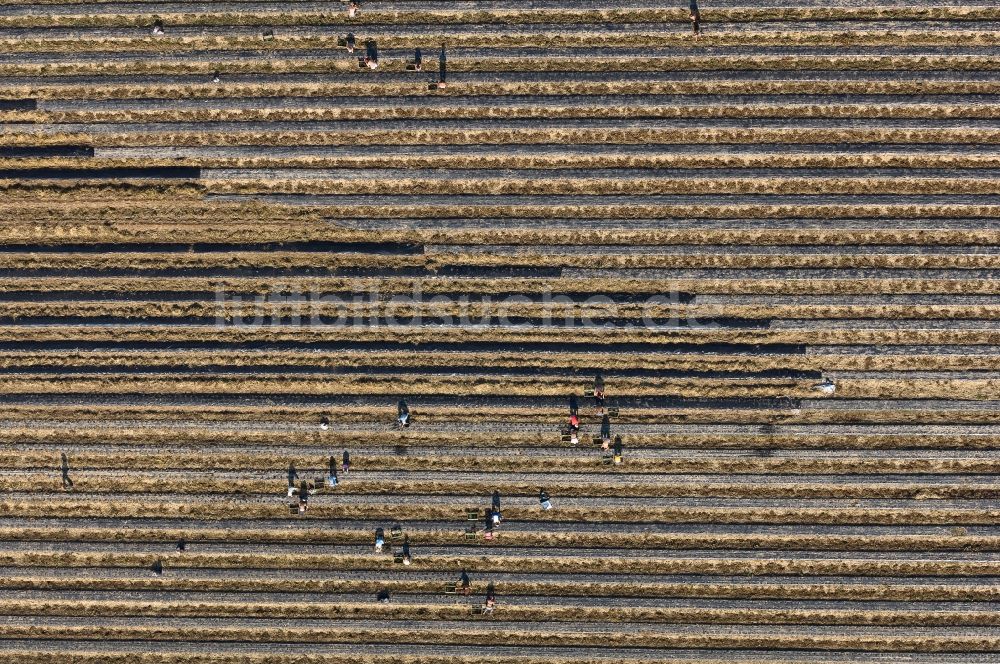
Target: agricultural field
228	248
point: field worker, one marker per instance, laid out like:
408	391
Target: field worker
574	405
331	478
618	449
402	414
544	500
442	68
157	27
352	8
599	393
496	500
303	496
383	596
350	42
371	54
379	540
574	429
695	21
292	476
827	387
324	423
347	462
66	481
464	582
216	77
157	568
488	524
406	550
605	432
418	60
181	545
491	600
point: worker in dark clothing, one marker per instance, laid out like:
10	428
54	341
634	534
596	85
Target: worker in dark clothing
442	68
157	27
347	462
418	60
464	582
303	496
181	545
371	54
406	550
66	481
331	478
495	508
695	18
379	540
402	414
488	524
383	596
292	476
324	423
618	449
605	432
544	500
157	568
574	405
350	42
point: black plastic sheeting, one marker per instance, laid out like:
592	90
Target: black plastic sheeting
22	151
18	104
145	173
